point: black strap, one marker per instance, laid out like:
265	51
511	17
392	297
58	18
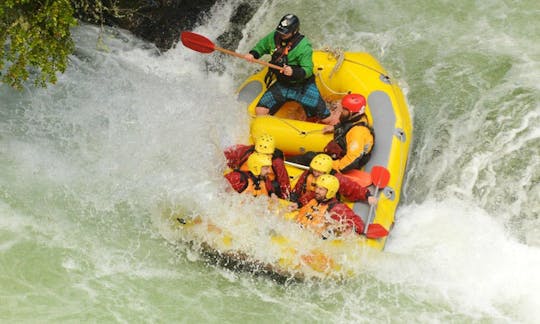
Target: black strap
280	57
244	178
256	181
342	129
246	155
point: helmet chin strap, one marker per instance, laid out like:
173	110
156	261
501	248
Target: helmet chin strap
281	36
345	115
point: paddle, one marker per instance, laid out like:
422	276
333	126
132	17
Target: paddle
376	231
296	165
380	177
202	44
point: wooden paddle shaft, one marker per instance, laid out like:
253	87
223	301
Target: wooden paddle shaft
226	51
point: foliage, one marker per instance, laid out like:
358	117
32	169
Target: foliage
35	40
97	11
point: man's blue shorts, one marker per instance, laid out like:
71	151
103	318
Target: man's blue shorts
307	94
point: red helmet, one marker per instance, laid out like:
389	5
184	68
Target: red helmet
353	102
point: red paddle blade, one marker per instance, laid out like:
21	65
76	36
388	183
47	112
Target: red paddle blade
197	42
363	178
380	176
376	231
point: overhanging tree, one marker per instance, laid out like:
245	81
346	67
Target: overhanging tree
35	40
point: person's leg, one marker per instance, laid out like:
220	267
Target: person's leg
313	103
261	111
271	100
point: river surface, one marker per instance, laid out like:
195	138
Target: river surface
85	164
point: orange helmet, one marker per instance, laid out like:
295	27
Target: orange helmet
353	102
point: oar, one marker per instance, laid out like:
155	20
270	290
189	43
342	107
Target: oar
376	231
297	165
202	44
380	177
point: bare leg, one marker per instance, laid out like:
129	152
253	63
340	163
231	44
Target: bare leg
261	111
335	113
330	120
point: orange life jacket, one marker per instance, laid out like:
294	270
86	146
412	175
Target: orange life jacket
256	188
309	184
312	215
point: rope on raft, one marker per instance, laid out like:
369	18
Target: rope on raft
300	131
339	55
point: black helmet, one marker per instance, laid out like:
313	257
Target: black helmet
288	24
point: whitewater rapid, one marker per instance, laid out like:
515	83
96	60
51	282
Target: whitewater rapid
85	163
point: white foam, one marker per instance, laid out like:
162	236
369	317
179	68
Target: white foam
461	255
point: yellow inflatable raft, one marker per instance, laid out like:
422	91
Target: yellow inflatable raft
337	75
300	254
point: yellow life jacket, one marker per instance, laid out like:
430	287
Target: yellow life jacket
308	185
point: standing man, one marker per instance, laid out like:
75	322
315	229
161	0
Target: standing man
295	81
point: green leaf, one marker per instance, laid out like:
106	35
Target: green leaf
34	36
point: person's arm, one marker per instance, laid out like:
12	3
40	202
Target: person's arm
236	155
282	176
330	121
301	60
359	140
351	190
343	214
298	187
264	46
306	197
236	180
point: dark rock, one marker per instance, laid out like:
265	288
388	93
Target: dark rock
243	13
161	22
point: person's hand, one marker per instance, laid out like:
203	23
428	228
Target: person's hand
292	207
372	200
249	57
328	129
287	70
274	197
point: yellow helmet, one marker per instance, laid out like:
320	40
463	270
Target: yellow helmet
329	182
256	161
322	163
265	144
